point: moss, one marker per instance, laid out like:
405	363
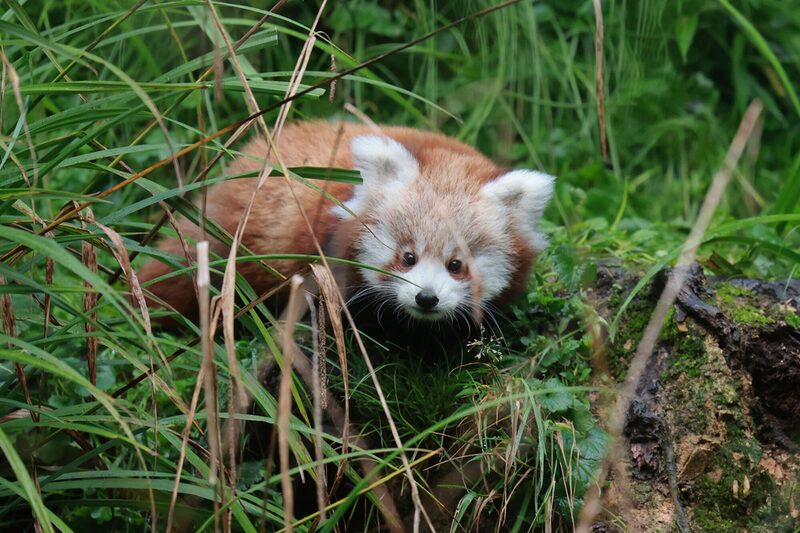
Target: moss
632	326
704	400
706	520
718	506
746	307
739	304
792	318
696	379
687	355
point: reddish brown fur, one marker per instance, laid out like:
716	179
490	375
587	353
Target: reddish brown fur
276	225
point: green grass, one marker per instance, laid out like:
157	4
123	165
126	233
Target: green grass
106	89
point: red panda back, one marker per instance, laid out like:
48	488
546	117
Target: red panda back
277	225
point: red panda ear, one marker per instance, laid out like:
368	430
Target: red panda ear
524	194
383	160
386	166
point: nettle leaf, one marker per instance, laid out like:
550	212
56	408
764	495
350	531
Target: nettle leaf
582	419
594	445
557	398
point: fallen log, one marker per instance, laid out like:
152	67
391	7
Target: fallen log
713	437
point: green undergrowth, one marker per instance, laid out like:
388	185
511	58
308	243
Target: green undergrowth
516	401
97	92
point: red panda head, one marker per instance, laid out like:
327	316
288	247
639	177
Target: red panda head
450	229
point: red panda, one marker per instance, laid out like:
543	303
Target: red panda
456	231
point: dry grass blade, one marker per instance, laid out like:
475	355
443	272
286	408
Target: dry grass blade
328	290
89	258
187	253
3	76
219	70
208	370
616	420
318	362
285	400
49	270
332	308
360	115
37	527
16	414
121	255
299	71
7	309
206	379
321	347
10	329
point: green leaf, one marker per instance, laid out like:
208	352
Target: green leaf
41	194
594	445
26	482
685	33
556	398
344	175
17	489
762	46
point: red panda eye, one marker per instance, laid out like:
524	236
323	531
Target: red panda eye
409	259
454	266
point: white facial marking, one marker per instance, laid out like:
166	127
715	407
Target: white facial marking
386	168
401	213
524	195
377	248
493	268
433	276
490	267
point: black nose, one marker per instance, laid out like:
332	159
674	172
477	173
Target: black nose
426	299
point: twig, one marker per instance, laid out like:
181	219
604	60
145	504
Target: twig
285	402
598	50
